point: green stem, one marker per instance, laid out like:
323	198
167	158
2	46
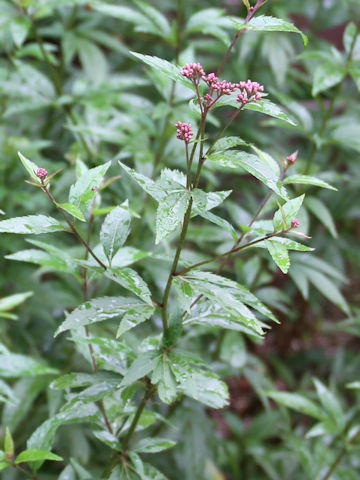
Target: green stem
174	266
340	456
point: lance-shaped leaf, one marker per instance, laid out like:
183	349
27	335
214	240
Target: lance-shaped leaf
35	455
308	180
160	65
31	167
131	280
252	164
264	23
287	213
84	189
115	229
97	310
279	254
153	445
298	402
72	210
264	106
12	301
170	213
145	183
16	365
34	224
202	201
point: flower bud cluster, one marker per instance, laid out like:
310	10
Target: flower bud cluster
41	173
249	91
295	223
193	71
184	131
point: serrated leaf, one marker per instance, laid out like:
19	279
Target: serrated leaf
228	142
145	183
83	191
298	402
153	445
133	317
279	254
252	164
265	23
141	366
32	224
163	377
35	455
115	229
97	310
170	213
202	201
287	213
307	180
73	210
131	280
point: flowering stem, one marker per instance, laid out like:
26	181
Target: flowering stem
73	228
249	16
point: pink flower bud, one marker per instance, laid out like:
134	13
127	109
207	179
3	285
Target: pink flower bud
293	157
295	223
193	71
184	131
41	173
10	455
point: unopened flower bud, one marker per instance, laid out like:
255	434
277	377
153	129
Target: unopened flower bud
10	455
293	157
184	131
41	173
295	223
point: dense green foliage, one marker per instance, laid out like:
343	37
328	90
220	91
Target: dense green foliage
179	307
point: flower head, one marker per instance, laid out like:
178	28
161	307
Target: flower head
41	172
193	71
250	91
293	157
295	223
184	131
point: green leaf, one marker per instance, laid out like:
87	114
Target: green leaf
16	365
153	445
202	201
34	224
252	164
247	4
287	213
228	142
326	76
115	229
92	60
39	257
145	183
279	254
265	157
160	65
307	180
330	403
84	190
133	317
329	290
298	402
163	377
30	166
19	28
35	455
265	23
320	210
73	210
97	310
131	280
8	442
12	301
160	23
141	366
170	213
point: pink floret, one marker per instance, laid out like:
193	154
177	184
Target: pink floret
184	131
41	172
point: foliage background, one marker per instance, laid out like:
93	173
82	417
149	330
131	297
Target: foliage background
89	99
